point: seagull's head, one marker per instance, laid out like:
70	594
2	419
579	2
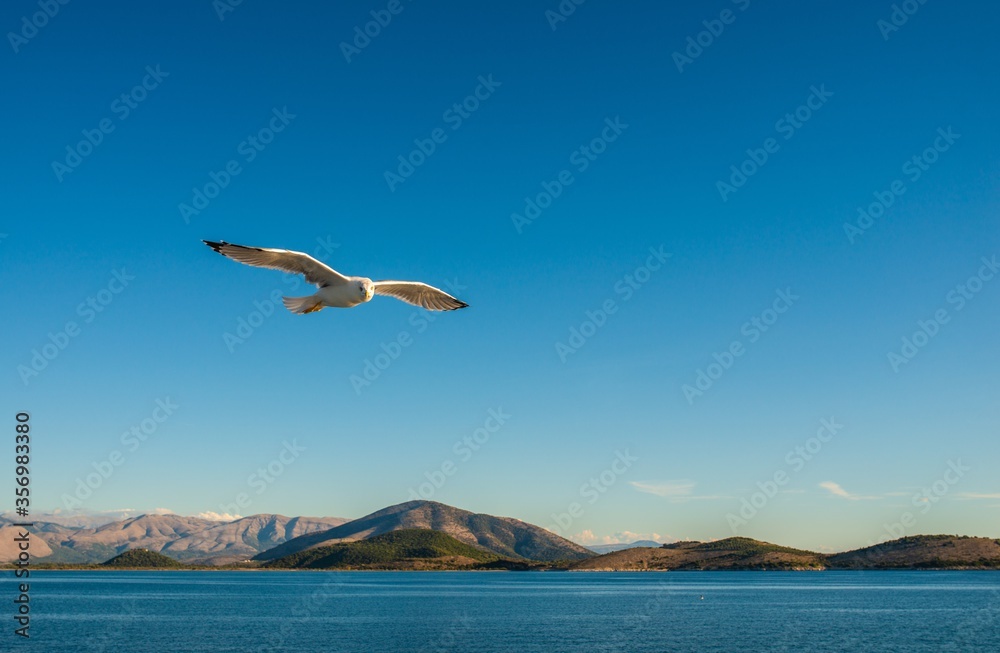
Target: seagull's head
366	289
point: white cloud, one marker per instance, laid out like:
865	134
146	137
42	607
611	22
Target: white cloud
622	537
675	491
837	490
665	488
834	488
215	516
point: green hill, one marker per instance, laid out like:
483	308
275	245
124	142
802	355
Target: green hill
142	558
408	548
744	546
504	536
914	552
730	553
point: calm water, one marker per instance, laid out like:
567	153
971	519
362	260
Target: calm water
308	612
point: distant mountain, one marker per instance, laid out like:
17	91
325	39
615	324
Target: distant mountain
917	552
189	539
142	558
621	546
504	536
923	552
246	537
410	548
9	547
70	519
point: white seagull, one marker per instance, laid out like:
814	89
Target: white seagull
334	289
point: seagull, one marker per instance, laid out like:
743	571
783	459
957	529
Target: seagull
334	289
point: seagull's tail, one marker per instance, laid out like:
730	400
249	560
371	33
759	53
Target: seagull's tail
299	305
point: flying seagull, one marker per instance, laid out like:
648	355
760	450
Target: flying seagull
334	289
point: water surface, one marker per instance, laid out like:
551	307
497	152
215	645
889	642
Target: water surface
308	612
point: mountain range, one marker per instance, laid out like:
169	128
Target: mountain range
432	535
188	539
611	548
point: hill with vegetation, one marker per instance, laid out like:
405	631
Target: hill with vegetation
731	553
742	553
142	558
403	549
504	536
923	552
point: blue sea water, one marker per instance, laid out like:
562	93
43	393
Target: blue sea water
305	612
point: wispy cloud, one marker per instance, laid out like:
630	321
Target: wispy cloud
972	496
837	490
675	491
665	488
834	488
128	513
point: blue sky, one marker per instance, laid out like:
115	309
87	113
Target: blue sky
623	208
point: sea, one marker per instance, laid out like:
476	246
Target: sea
324	612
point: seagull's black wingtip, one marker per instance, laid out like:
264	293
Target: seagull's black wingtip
217	247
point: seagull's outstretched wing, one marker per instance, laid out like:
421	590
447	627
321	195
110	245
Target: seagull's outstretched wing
281	259
419	294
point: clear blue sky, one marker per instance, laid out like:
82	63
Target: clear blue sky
660	133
